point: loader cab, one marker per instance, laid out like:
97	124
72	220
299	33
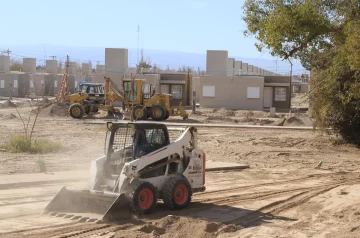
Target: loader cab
140	93
129	141
92	89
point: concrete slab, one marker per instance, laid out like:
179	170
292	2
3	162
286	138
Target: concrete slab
219	165
304	128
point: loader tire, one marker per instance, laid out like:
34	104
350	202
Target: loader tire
177	193
77	111
143	198
158	113
167	115
140	113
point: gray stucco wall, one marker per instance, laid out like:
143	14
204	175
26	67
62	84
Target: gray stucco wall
231	92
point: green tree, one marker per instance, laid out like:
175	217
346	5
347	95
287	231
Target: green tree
325	36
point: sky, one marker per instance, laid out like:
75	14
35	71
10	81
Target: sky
187	25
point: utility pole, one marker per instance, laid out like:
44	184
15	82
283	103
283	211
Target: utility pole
290	89
11	83
8	52
138	39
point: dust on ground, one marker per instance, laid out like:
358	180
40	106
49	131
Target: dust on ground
283	194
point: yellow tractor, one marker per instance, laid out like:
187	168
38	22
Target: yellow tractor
136	97
145	103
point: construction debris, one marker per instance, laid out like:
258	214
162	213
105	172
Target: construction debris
7	104
53	109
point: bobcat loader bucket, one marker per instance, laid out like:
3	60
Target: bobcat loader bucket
89	206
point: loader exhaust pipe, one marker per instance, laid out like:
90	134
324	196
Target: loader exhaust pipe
89	205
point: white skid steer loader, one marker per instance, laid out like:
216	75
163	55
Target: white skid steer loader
139	167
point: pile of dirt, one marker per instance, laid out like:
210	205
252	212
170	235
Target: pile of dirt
44	100
224	112
8	116
293	120
7	104
175	226
53	109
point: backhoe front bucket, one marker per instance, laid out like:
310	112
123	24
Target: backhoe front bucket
88	205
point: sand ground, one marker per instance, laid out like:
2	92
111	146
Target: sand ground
281	195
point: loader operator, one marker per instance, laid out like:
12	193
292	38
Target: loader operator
141	143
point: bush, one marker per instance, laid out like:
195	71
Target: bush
41	165
18	144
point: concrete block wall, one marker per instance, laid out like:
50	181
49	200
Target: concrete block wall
237	67
4	64
116	61
216	62
51	66
24	85
86	69
244	68
100	69
250	69
29	65
72	68
230	66
9	84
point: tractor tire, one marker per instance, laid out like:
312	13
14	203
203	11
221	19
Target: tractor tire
167	115
95	108
158	113
140	113
143	198
177	193
77	111
87	107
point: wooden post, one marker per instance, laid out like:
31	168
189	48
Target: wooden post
194	102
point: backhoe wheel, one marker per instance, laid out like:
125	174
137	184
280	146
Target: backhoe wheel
167	115
77	111
140	112
177	193
143	198
158	113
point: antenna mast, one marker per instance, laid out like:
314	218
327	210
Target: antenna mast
138	39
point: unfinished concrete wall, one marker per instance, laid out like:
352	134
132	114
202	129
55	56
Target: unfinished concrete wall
49	89
237	67
216	62
23	85
116	61
250	70
244	92
72	68
51	66
100	69
4	64
71	82
9	84
86	69
244	68
230	67
29	65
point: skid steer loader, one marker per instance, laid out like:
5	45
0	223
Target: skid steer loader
140	166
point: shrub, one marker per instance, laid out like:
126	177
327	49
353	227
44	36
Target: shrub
18	144
41	165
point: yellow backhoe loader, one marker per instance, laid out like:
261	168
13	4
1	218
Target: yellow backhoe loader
143	105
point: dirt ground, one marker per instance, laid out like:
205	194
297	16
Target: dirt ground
282	194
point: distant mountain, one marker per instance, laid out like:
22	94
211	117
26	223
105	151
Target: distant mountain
162	58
